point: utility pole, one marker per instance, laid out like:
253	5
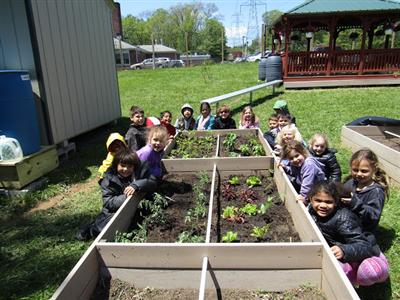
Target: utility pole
152	49
222	45
252	25
187	48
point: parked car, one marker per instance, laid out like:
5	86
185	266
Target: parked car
159	62
164	61
176	63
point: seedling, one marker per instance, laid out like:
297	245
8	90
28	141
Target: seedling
229	212
245	150
234	180
248	196
260	232
229	237
249	209
228	192
187	237
253	181
258	150
265	206
229	141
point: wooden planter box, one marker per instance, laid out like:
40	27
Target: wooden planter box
356	137
210	267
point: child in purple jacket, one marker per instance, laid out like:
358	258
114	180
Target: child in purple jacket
305	169
154	150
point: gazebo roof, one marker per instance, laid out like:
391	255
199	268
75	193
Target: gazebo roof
329	6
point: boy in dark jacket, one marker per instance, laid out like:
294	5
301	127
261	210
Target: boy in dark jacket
319	148
186	121
126	177
136	135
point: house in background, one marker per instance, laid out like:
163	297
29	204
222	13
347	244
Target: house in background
123	50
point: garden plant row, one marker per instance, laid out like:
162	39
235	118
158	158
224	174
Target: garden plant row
219	227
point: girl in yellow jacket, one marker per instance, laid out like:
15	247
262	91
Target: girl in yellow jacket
115	142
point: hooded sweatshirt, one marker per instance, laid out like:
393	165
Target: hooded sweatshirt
183	123
115	136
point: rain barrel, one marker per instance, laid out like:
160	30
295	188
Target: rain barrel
18	118
273	69
262	66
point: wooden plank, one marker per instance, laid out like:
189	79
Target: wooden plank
211	204
270	280
244	255
334	282
31	167
372	130
337	83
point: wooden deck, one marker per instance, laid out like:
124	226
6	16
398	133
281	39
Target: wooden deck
300	82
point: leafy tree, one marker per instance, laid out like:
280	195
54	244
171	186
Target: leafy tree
211	41
136	31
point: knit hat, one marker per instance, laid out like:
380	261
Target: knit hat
186	106
280	104
372	270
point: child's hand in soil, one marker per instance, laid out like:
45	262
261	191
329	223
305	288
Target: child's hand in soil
337	252
129	190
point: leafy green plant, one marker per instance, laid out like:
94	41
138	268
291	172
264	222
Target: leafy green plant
253	181
229	212
248	195
187	237
229	237
249	209
260	232
234	180
229	141
265	206
228	192
135	236
258	150
244	150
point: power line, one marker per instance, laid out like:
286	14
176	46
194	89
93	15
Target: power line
253	29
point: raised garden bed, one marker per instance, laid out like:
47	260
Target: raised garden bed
240	144
378	138
213	268
193	144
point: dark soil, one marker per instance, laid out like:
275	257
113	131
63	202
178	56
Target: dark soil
393	143
180	189
281	227
117	289
224	151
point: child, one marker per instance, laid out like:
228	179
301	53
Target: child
166	118
206	120
286	135
270	135
305	169
281	107
154	150
284	119
248	119
115	142
186	122
126	176
136	134
224	119
369	187
357	251
319	148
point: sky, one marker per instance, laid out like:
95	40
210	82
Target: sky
238	18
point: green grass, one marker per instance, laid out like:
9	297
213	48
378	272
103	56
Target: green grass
38	250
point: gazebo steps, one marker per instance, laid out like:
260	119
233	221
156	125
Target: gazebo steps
299	82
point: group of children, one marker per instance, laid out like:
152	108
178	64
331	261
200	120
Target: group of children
347	214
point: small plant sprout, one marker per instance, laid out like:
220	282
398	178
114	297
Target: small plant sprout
234	180
245	150
228	192
229	237
229	141
265	206
229	212
248	195
253	180
258	150
187	237
260	232
249	209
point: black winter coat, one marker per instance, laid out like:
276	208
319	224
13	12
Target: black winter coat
367	204
342	228
332	169
229	123
113	185
136	137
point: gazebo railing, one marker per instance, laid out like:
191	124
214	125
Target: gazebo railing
343	61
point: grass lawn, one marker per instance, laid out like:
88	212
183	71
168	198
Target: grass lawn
38	249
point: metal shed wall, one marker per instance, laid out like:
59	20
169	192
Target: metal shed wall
76	53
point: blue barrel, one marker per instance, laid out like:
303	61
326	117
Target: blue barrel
18	117
273	68
262	66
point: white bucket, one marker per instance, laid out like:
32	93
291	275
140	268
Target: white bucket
10	149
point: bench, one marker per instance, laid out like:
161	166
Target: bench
242	92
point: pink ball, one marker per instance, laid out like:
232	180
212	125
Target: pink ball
372	270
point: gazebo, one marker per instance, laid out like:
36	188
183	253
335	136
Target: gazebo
366	19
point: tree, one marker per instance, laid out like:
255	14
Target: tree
211	41
269	18
135	31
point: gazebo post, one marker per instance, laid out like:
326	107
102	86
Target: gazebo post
332	29
287	30
365	27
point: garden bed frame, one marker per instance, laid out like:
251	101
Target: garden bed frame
356	137
250	266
